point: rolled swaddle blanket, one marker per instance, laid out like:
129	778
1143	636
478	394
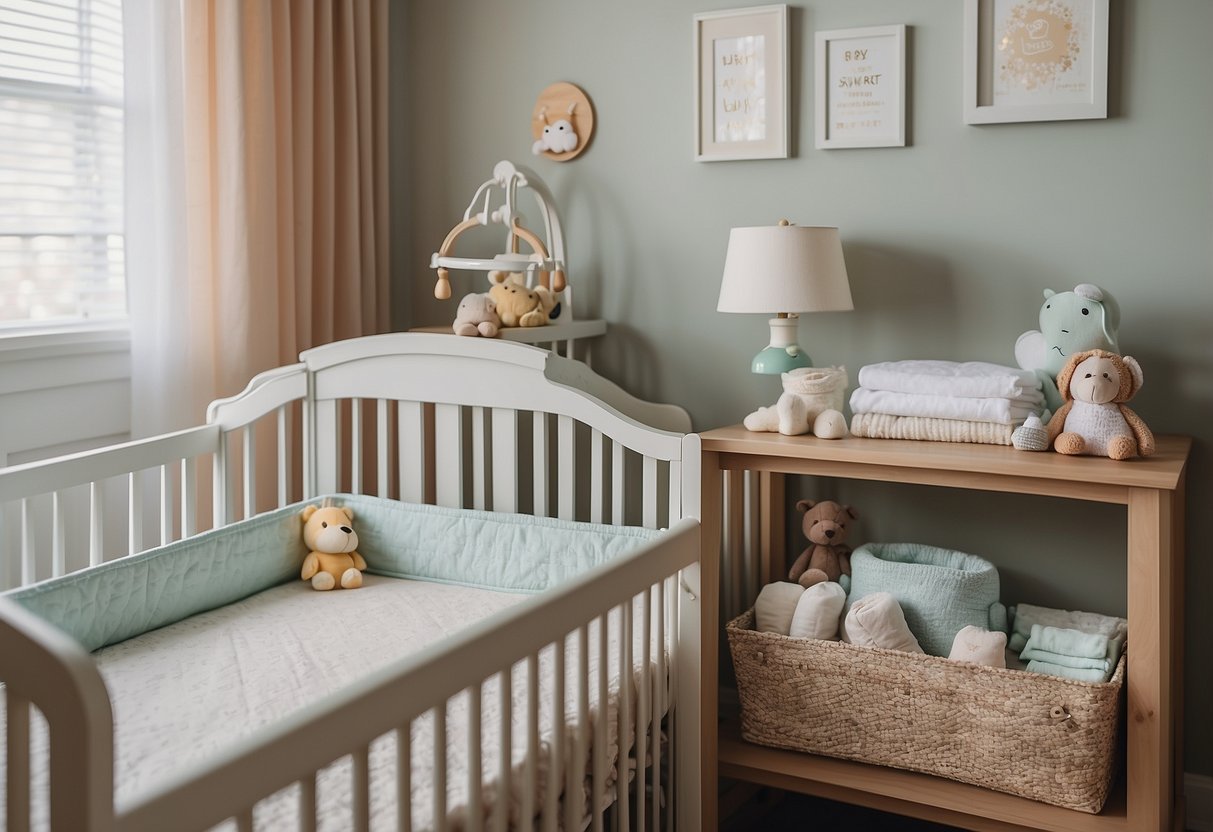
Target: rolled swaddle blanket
941	591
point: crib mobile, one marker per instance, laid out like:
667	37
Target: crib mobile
544	264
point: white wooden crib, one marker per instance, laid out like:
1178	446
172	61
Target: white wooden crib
457	422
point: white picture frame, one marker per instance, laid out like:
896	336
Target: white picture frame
860	87
740	63
1017	68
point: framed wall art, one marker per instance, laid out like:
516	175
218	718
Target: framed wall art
741	84
861	87
1035	60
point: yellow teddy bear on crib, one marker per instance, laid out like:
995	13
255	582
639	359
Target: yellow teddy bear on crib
332	561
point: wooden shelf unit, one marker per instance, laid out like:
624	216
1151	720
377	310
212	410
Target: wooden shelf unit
1149	796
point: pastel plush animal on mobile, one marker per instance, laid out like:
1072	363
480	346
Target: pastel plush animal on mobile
1085	319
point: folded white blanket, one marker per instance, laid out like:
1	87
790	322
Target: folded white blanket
1002	411
969	379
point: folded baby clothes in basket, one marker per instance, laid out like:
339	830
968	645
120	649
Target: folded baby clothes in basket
1076	645
943	401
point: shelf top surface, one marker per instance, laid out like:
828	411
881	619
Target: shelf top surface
588	328
1163	470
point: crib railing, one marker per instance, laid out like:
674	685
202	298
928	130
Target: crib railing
460	432
644	593
58	515
382	416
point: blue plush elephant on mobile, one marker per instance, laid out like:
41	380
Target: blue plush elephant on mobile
1087	318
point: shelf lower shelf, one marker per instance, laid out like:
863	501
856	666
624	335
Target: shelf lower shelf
922	796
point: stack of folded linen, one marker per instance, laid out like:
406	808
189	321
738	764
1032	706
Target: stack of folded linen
1077	645
944	401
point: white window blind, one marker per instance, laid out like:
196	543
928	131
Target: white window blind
61	156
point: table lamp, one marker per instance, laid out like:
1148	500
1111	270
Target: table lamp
784	269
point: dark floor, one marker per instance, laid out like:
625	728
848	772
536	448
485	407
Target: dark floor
772	810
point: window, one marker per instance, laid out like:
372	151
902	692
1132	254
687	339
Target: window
61	154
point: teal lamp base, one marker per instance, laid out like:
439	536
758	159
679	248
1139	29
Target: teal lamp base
775	360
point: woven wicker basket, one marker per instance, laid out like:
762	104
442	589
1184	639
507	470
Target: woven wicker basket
1036	736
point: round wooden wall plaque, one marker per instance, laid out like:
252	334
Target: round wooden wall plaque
557	99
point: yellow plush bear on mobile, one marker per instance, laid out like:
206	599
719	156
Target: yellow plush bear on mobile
332	561
516	304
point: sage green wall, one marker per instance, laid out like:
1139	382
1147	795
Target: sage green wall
948	241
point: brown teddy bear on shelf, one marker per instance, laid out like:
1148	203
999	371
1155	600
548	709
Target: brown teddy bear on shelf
827	558
1094	420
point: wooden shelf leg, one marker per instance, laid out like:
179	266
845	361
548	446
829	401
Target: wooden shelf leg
711	511
1151	725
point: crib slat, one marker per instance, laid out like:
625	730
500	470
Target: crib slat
552	790
58	536
501	811
189	497
249	473
411	448
735	525
284	450
598	790
505	459
27	542
574	792
649	493
361	795
404	778
448	455
166	504
531	762
17	763
324	464
596	476
95	524
617	483
440	767
566	482
479	497
475	772
658	702
381	448
221	493
244	820
356	446
626	674
134	513
539	469
675	504
307	804
642	705
672	697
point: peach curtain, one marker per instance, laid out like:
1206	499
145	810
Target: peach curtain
285	177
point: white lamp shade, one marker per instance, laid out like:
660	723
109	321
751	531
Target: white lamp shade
784	268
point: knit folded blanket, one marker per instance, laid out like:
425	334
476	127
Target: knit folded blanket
884	426
969	379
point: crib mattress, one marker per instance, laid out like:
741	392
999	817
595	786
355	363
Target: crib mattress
182	692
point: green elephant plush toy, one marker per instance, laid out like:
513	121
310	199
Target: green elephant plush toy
1087	318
